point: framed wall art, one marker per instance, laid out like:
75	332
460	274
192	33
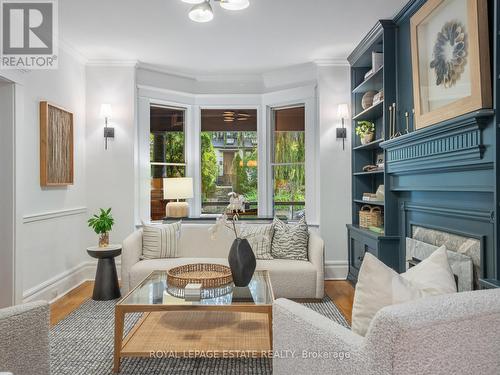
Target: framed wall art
56	146
450	60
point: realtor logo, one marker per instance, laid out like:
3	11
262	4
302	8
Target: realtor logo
29	36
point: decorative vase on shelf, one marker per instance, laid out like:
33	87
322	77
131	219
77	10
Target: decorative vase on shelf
104	239
242	262
367	99
367	138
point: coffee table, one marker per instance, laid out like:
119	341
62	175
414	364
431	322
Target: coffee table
229	322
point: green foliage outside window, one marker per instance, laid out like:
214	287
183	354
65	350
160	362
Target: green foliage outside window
209	168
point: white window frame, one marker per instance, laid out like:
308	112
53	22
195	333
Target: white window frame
263	103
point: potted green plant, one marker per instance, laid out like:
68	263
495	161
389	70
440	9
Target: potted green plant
366	131
102	224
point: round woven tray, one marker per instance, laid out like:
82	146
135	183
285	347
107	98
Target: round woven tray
208	275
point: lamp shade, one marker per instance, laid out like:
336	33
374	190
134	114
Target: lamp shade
106	111
235	4
178	188
343	111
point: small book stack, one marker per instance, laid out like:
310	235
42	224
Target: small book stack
192	292
370	197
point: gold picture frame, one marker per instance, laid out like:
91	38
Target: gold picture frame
450	60
56	146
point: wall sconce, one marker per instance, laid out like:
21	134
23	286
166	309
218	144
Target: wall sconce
343	113
106	113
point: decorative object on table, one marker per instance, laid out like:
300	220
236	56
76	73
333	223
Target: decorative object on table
102	225
450	60
342	113
177	188
378	97
192	292
106	285
160	241
56	146
209	275
396	133
241	256
236	203
204	293
377	61
379	285
380	194
290	241
366	131
370	216
109	132
367	99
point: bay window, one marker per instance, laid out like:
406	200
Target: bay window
167	152
228	155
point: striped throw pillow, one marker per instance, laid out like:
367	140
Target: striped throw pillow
160	241
290	241
259	237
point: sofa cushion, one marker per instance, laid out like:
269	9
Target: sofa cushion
160	240
259	237
284	273
290	240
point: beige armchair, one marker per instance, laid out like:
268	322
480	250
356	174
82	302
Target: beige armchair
450	334
24	339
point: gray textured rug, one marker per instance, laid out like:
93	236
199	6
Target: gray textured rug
82	344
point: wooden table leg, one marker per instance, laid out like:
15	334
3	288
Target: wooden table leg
119	322
270	319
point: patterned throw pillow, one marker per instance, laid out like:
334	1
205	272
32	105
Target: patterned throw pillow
290	241
259	237
160	240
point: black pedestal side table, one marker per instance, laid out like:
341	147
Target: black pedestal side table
106	279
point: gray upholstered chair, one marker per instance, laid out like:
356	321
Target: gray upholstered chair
24	339
450	334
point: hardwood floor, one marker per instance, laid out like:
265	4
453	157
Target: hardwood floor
341	292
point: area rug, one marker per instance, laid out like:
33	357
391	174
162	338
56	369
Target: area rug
82	344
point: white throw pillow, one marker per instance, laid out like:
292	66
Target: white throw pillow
379	286
259	237
160	240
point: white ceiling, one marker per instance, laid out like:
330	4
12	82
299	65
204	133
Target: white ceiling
270	34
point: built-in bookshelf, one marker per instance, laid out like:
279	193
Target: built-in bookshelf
364	78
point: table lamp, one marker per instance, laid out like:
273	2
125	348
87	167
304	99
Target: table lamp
177	188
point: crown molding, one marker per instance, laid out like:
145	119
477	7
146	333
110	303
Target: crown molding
331	62
116	63
72	51
159	69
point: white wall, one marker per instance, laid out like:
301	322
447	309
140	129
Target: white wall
50	222
335	168
111	180
7	184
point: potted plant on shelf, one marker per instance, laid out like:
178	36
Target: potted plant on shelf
366	131
102	224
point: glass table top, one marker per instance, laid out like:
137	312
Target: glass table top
155	291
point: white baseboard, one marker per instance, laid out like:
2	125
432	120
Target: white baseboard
63	283
336	269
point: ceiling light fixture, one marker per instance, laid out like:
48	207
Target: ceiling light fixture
235	4
202	10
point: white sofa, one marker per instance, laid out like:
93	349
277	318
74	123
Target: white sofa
290	278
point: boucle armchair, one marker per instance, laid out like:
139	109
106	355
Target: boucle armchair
449	334
24	339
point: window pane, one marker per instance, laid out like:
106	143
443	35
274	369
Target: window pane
167	153
228	158
289	162
289	190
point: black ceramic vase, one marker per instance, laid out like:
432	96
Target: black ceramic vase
242	262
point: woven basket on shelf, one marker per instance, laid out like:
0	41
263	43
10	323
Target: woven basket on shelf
208	275
370	217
